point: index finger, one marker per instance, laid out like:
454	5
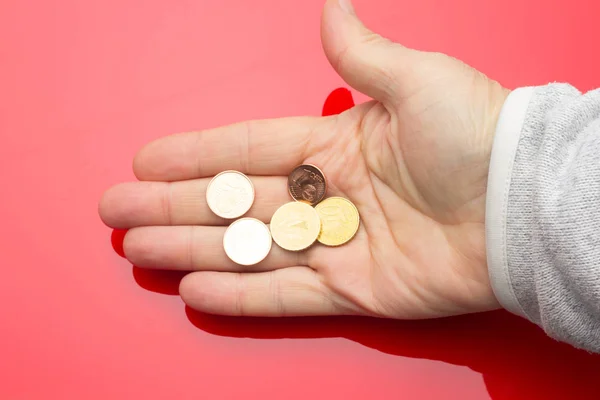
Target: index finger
263	147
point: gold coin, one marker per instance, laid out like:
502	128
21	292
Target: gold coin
339	221
295	226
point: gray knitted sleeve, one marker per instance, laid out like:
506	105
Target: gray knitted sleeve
543	211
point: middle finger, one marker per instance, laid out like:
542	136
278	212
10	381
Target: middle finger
135	204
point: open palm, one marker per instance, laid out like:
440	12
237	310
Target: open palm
414	161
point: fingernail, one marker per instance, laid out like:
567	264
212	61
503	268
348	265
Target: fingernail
346	5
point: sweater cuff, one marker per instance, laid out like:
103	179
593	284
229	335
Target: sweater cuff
506	140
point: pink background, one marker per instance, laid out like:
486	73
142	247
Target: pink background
84	84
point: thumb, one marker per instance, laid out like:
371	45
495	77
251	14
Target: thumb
368	62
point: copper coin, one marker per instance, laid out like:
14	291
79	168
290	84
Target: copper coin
307	183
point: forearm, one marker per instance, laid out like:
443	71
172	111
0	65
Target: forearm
543	211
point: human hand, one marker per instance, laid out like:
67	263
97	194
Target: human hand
414	161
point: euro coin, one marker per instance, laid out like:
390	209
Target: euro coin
307	183
247	241
230	194
295	226
339	221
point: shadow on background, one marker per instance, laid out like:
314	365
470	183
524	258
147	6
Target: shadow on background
517	360
515	357
159	281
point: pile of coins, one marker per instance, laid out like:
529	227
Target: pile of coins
295	226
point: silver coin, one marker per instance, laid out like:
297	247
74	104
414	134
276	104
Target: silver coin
247	241
230	194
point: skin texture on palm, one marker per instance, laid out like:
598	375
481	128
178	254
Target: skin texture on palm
414	161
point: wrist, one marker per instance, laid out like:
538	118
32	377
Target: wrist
497	98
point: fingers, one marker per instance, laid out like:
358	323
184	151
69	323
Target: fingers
135	204
371	64
295	291
267	147
195	248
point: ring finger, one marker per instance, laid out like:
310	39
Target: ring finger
195	248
